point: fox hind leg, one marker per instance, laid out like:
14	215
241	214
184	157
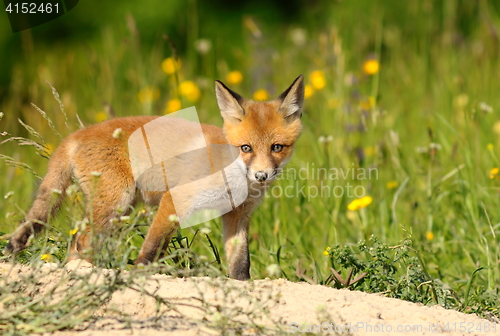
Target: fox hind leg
160	233
47	201
104	204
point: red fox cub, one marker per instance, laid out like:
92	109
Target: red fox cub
263	133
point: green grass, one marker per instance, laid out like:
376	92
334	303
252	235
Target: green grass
427	122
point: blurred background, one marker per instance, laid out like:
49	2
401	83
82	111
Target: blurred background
409	88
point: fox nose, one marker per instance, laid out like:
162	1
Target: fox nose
261	176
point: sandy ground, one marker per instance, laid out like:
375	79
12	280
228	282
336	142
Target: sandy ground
293	307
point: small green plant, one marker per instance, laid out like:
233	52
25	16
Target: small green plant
399	272
378	268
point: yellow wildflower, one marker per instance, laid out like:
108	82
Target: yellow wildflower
490	146
326	251
494	173
360	203
392	185
100	116
45	257
371	67
50	147
234	77
169	66
189	90
173	105
370	151
318	80
496	127
429	235
148	94
18	171
261	95
308	91
73	232
367	104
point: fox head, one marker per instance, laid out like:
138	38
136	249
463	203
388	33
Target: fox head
264	132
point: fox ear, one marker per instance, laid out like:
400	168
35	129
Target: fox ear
292	99
229	103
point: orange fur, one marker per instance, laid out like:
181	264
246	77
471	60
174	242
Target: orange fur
261	126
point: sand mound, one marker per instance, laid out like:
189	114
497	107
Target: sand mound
293	307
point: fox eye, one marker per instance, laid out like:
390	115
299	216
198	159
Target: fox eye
277	148
246	148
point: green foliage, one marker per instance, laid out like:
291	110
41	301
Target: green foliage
426	120
394	271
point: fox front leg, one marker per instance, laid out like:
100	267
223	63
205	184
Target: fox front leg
236	225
